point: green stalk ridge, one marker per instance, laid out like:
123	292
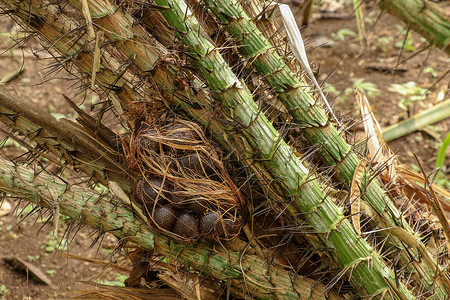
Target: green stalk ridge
68	144
352	251
83	59
263	280
319	130
276	282
424	17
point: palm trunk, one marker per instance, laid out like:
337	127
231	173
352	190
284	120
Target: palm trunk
103	211
318	129
306	194
368	272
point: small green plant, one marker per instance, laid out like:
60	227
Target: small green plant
52	244
410	91
407	41
341	97
3	290
432	72
330	89
120	279
368	20
51	272
383	42
341	34
441	179
400	29
407	44
368	88
57	115
32	258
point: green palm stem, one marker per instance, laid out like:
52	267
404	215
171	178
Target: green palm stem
68	37
67	143
303	108
368	270
262	279
88	64
20	118
424	17
63	38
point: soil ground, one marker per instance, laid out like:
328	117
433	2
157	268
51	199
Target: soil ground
345	60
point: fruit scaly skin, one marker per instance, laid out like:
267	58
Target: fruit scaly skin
165	217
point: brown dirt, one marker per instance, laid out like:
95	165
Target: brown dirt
33	242
345	59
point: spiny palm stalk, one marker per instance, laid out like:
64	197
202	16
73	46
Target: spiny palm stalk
80	51
60	31
343	226
67	142
353	252
69	37
423	16
104	211
285	286
163	76
332	147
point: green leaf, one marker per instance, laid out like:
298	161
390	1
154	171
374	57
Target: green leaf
366	87
441	155
430	70
341	34
410	91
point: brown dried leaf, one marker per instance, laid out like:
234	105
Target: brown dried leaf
189	286
125	293
355	193
412	186
404	183
197	288
134	279
379	151
435	203
97	57
87	16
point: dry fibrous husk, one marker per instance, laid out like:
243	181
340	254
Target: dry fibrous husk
184	188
